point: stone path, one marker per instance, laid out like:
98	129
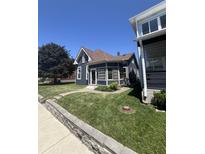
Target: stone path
90	89
55	138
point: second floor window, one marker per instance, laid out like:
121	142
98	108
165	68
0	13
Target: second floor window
163	21
83	59
145	28
153	25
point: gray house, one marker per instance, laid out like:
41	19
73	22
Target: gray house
150	29
100	68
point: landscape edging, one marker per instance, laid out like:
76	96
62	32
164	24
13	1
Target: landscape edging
95	140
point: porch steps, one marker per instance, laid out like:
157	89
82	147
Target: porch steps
150	95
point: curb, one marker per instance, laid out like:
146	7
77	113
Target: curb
95	140
41	99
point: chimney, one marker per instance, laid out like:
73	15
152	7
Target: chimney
118	53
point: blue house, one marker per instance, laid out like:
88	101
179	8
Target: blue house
100	68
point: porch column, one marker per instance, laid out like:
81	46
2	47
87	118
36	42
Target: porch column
118	74
143	69
106	74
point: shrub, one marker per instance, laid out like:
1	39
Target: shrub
114	86
103	88
159	100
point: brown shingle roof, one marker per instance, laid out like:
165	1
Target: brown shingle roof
99	56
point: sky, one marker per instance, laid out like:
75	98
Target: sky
95	24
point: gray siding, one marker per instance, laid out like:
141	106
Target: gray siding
83	70
83	75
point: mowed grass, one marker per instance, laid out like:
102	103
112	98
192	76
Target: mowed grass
50	90
143	131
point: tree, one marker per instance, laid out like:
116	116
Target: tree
54	61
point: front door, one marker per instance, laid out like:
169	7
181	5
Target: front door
93	78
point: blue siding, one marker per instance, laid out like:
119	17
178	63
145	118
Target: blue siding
101	82
83	69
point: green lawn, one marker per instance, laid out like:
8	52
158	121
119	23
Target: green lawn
48	91
143	131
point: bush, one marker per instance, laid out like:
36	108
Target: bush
103	88
159	100
114	86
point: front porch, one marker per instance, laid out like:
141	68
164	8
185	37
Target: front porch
107	73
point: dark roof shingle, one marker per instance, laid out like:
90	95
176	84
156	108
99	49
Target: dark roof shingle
99	56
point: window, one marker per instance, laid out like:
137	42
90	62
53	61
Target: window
122	73
79	72
163	21
109	73
112	73
101	74
83	59
145	28
153	25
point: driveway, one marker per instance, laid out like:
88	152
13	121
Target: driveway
55	138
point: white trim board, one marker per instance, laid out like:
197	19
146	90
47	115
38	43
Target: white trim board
89	58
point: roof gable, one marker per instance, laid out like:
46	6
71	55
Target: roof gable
86	51
99	56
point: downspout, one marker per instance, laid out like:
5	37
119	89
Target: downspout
143	70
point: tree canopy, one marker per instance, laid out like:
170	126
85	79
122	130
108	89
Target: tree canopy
54	61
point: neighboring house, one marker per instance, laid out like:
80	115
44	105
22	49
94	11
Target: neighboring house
100	68
70	78
150	29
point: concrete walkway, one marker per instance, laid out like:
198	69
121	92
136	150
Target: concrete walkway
55	138
90	89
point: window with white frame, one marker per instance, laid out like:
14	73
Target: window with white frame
145	28
123	73
83	59
101	73
153	25
79	72
163	21
112	73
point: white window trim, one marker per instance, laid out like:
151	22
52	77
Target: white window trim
126	72
105	74
156	16
87	73
79	67
113	68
